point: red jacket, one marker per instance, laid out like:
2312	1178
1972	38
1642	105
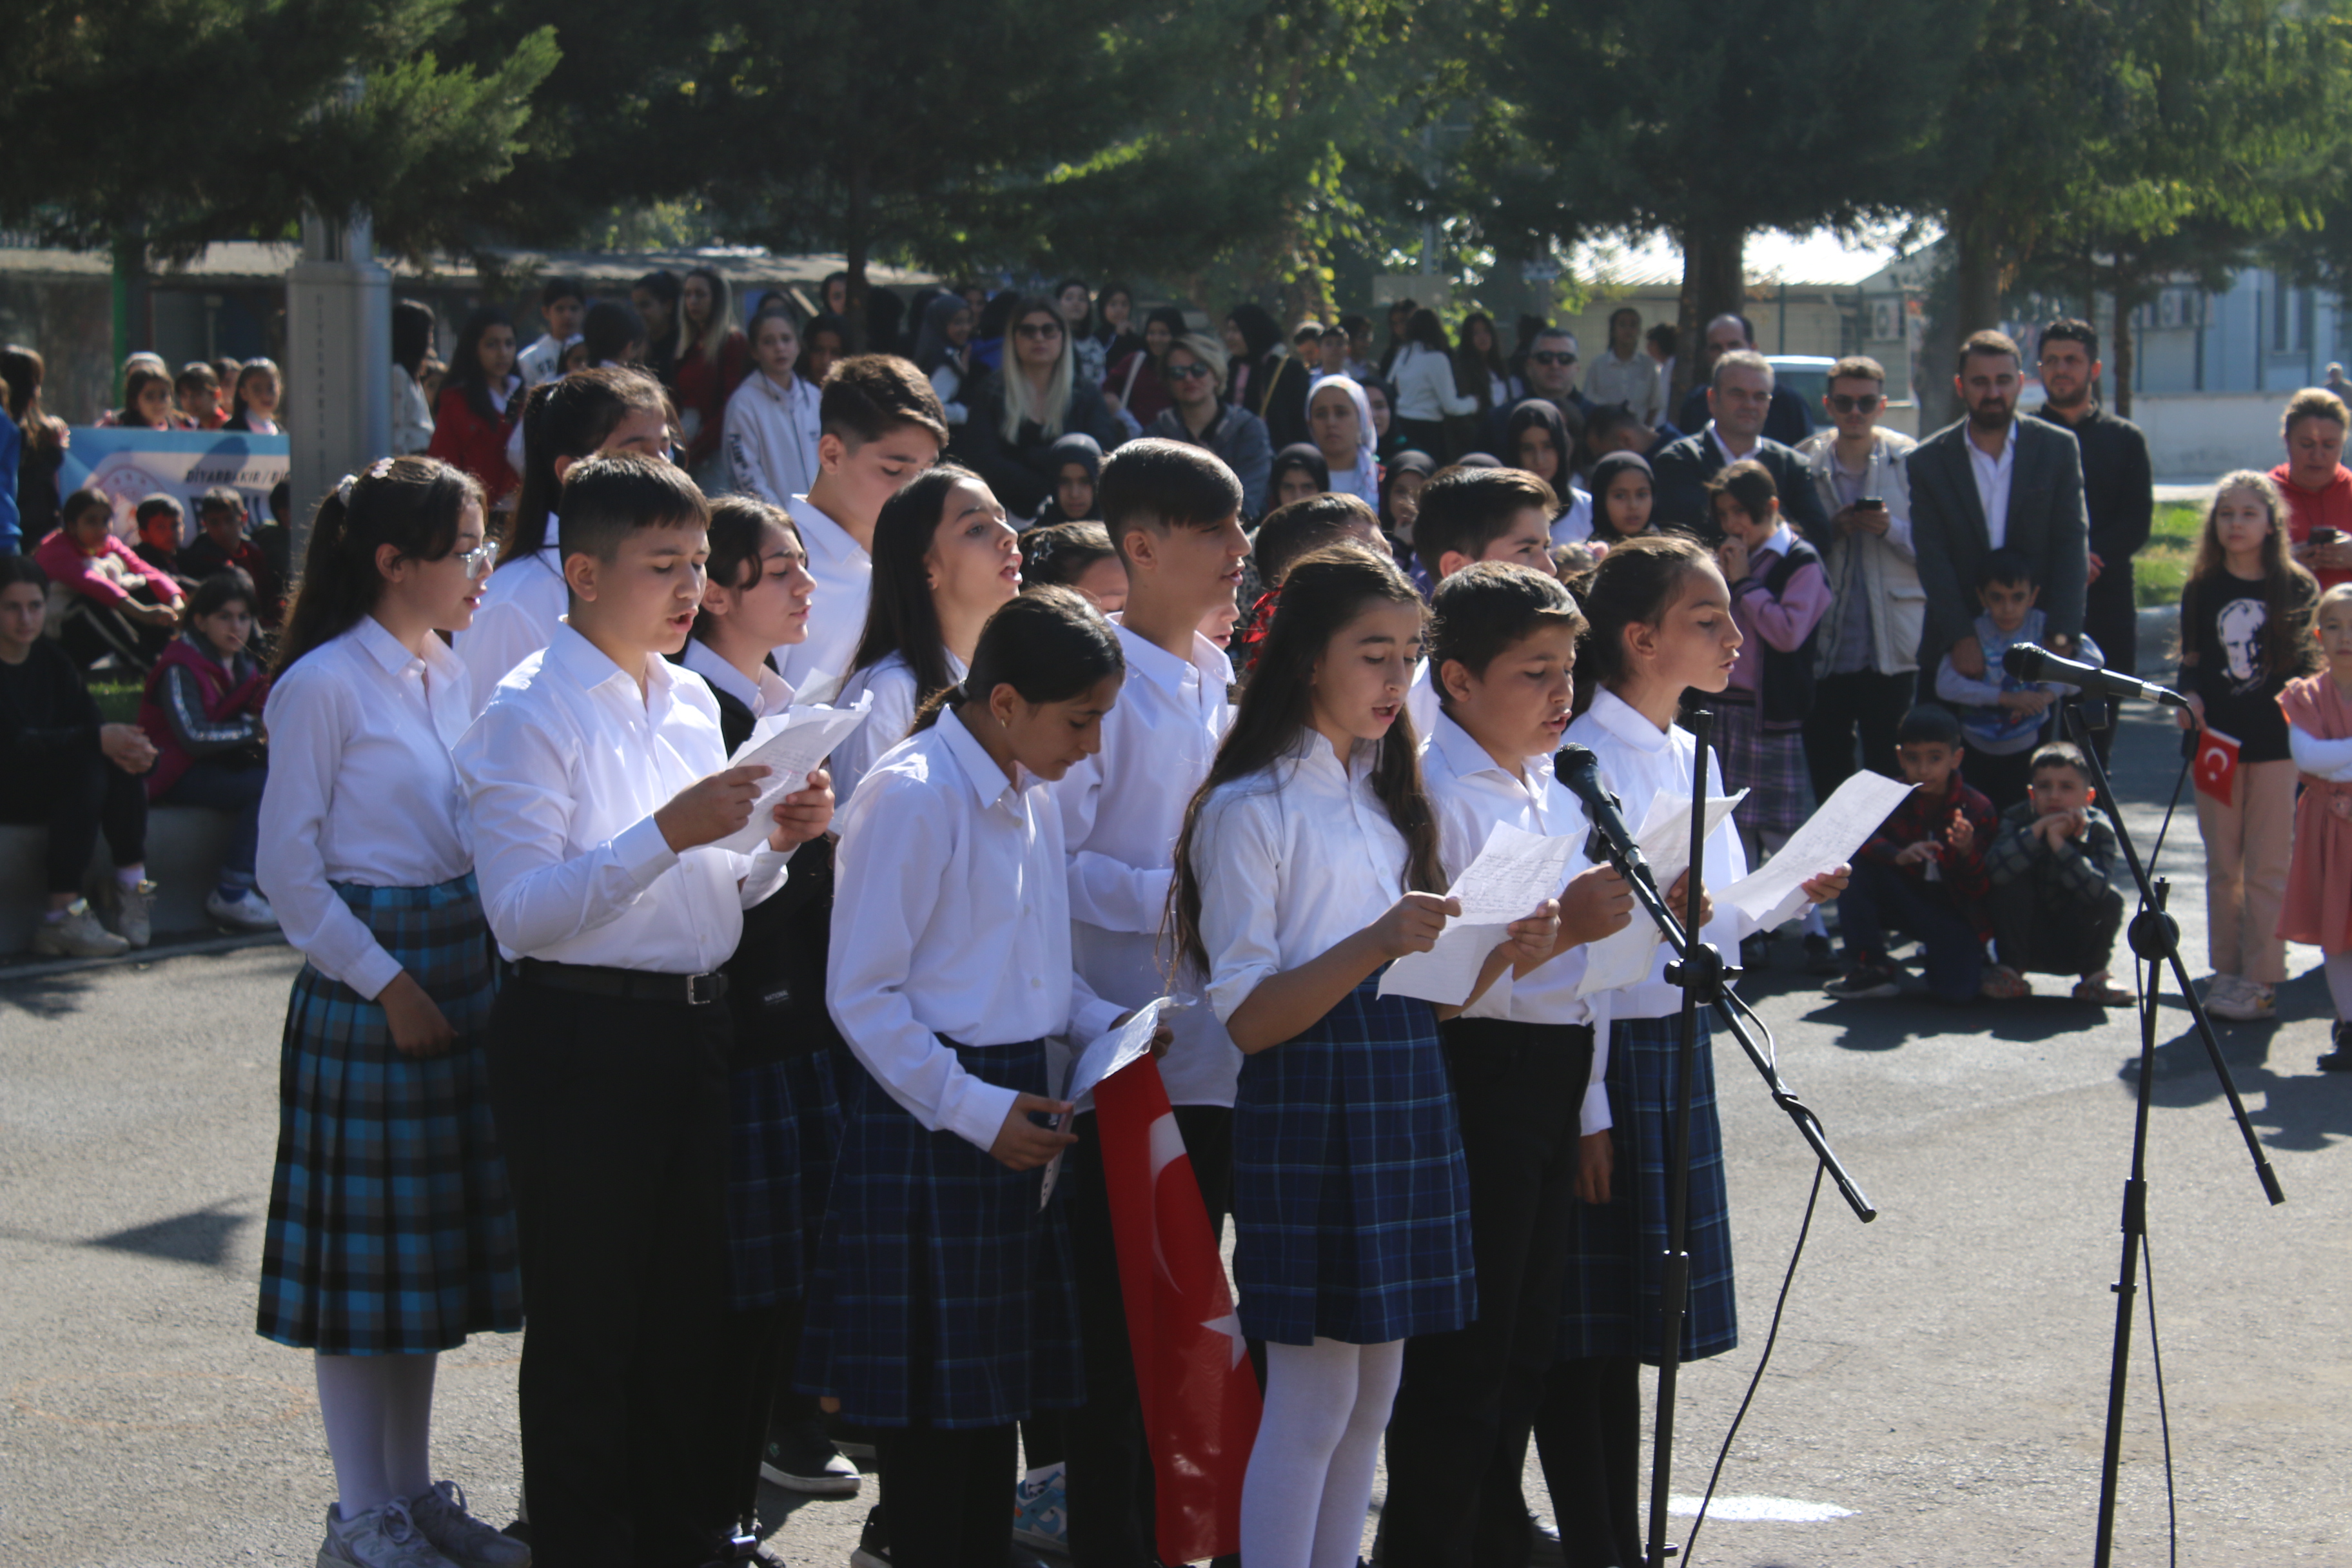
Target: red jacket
2307	510
463	439
228	696
703	388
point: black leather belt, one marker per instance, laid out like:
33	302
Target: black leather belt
629	985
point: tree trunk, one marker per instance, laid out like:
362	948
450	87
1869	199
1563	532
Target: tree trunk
1977	269
1715	283
856	219
2119	344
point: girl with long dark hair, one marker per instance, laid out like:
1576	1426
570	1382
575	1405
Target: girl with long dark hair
480	400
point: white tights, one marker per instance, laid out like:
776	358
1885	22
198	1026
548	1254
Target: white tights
2339	983
1310	1473
378	1412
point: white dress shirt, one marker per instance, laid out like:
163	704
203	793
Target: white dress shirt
544	361
1421	702
1993	477
843	569
1715	433
362	789
1635	382
887	723
565	769
1121	811
1639	762
1292	861
1573	526
772	695
522	604
1472	794
951	916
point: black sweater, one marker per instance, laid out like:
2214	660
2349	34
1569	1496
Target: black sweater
46	711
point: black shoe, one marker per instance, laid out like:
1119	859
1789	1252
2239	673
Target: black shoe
2340	1058
801	1459
1819	958
873	1543
1756	952
1868	980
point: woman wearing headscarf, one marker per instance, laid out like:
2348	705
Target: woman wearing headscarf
1075	463
1403	478
1035	397
1537	441
1136	392
1339	420
1265	377
943	353
1299	473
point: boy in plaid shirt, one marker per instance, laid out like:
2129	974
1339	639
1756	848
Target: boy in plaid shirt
2053	911
1924	868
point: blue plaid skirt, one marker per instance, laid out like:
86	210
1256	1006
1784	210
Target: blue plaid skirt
391	1230
942	1294
1351	1203
1617	1250
784	1128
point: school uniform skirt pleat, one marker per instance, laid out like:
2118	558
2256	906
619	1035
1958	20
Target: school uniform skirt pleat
784	1126
1617	1250
391	1229
1767	761
943	1295
1351	1201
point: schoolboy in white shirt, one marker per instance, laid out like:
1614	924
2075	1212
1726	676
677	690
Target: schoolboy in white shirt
563	301
1174	511
599	788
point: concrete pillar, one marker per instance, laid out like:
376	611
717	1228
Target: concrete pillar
337	403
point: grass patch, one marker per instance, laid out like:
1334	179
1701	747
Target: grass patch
117	701
2162	564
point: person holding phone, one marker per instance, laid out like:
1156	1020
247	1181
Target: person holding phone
1867	669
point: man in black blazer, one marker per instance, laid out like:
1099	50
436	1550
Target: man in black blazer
1994	480
1738	401
1789	423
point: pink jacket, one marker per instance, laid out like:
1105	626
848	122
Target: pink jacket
109	577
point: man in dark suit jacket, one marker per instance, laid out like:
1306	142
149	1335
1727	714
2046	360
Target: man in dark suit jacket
1789	423
1993	480
1741	393
2117	484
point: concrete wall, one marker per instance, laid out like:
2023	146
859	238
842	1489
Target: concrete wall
184	853
2202	434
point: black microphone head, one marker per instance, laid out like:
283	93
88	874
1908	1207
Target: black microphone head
1573	758
2023	661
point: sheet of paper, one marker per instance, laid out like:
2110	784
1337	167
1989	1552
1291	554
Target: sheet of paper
1827	840
1514	873
1665	841
791	743
1121	1047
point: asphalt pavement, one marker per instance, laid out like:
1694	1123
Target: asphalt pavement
1936	1396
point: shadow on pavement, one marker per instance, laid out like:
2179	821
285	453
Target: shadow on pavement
202	1236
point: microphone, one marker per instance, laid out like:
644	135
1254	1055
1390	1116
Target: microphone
2029	661
1576	767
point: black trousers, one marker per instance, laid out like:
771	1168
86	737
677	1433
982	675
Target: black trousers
1862	702
2039	934
613	1117
755	1352
1457	1439
76	796
1589	1436
2005	780
948	1494
1106	1460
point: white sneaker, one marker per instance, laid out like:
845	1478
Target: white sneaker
77	934
380	1537
246	911
2246	1003
440	1513
134	913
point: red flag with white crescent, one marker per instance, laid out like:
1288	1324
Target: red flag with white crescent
2216	769
1199	1394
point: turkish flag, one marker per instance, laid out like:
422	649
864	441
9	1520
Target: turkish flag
2216	769
1199	1394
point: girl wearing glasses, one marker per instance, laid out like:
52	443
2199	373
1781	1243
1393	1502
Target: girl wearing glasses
1034	399
391	1237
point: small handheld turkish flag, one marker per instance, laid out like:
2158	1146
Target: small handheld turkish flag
2216	768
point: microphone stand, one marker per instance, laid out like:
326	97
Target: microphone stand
1702	973
2155	941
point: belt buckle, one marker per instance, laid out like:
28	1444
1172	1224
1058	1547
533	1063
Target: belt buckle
702	990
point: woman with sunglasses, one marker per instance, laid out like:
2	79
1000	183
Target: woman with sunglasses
1033	399
1867	666
1195	373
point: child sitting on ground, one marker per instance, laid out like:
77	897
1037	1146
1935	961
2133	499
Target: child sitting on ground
2053	911
1925	871
2003	717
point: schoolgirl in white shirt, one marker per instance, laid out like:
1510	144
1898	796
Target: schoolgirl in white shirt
590	411
391	1235
941	1312
945	557
1660	623
1350	1200
772	425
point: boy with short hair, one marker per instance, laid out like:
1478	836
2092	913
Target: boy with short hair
1469	515
2053	911
1300	527
2003	718
157	522
882	425
1925	869
1525	1072
1173	513
563	301
600	791
220	545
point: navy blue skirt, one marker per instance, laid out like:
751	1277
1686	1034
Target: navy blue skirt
783	1121
942	1294
1617	1250
391	1228
1351	1203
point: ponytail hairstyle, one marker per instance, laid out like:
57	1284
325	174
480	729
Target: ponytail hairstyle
2289	591
1049	645
901	616
1322	592
413	504
568	417
739	527
1635	584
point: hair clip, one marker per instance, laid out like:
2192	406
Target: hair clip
343	488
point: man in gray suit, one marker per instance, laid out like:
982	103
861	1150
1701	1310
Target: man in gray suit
1992	480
